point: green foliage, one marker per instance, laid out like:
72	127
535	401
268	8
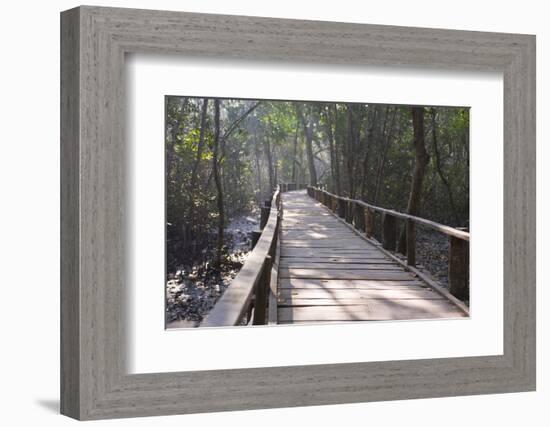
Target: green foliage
375	158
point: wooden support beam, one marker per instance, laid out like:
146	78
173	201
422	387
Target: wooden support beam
411	243
459	258
402	238
389	231
254	238
359	217
349	212
261	293
273	284
369	219
264	216
341	208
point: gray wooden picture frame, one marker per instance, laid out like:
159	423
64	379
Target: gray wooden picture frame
94	41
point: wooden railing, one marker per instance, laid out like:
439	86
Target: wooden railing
250	291
361	215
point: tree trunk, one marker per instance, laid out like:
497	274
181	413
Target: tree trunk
420	162
382	161
334	166
308	131
173	134
295	151
200	147
267	151
258	168
369	132
275	169
194	172
218	183
349	152
438	166
336	154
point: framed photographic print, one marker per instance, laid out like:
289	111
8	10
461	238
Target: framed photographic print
284	213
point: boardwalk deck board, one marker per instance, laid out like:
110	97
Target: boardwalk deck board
328	273
334	260
339	266
300	283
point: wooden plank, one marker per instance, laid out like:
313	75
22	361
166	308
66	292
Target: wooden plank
336	294
348	244
318	235
273	284
336	260
340	266
337	302
343	274
376	310
327	252
262	293
294	283
337	237
316	322
363	252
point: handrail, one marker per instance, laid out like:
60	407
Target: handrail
234	303
445	229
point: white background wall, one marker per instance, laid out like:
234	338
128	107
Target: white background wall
29	214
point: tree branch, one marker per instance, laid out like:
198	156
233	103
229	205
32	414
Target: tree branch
239	120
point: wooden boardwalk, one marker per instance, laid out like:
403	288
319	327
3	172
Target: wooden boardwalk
327	273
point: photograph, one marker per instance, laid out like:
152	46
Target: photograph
367	203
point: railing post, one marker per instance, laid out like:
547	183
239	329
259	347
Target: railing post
368	222
264	215
260	300
349	211
341	208
359	220
346	207
459	253
388	231
411	243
